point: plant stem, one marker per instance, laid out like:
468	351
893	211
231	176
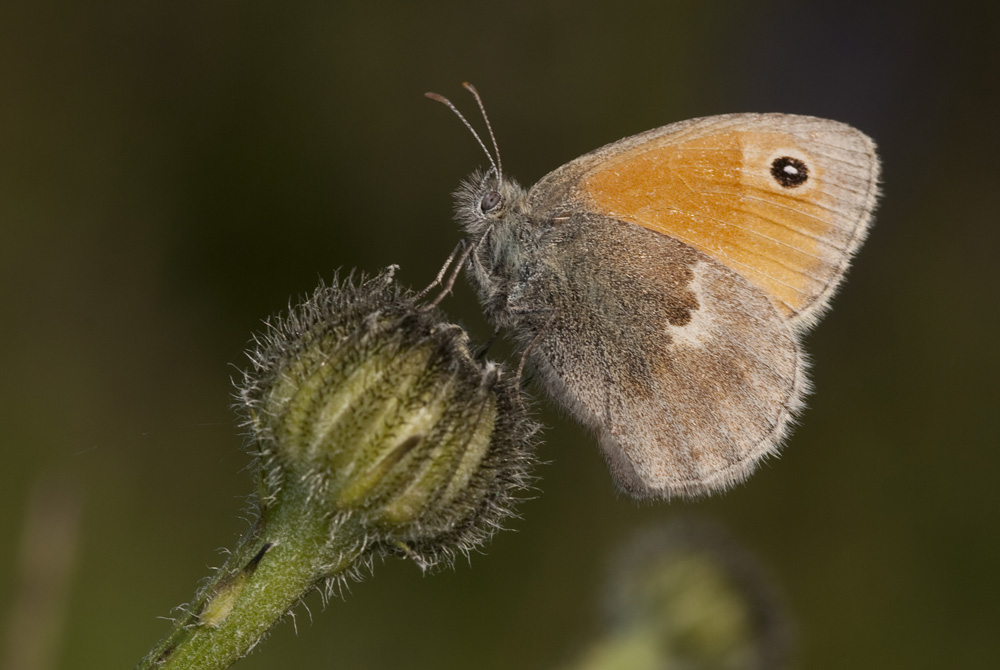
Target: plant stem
274	565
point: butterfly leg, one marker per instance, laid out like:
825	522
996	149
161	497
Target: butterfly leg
443	271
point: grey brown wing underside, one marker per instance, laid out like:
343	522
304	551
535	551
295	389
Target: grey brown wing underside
685	371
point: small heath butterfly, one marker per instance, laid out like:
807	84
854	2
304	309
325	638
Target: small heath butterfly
660	284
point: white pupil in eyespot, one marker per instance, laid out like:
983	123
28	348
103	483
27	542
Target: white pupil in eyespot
789	172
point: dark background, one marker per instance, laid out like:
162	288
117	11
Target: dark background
171	174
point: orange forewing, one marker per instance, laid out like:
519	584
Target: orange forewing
716	194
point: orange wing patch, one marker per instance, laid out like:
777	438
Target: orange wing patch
717	194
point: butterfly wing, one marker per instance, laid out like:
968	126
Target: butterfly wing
685	370
782	200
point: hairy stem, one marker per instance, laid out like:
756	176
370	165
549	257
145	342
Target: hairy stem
277	562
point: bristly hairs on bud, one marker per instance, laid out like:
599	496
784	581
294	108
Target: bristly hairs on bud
374	318
375	431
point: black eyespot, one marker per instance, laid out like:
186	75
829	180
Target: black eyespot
490	201
789	172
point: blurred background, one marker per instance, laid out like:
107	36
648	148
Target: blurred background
173	173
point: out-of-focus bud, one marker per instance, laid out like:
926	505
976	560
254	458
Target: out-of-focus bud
687	596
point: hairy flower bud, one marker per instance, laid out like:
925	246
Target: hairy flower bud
376	410
375	430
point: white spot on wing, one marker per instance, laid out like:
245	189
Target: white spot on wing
698	331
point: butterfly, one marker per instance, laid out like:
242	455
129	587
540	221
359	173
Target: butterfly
660	285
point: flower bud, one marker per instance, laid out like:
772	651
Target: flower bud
374	410
375	430
687	595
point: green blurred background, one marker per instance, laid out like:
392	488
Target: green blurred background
172	173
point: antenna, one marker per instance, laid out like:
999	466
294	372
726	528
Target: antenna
447	103
482	109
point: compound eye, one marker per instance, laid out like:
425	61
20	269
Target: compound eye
490	201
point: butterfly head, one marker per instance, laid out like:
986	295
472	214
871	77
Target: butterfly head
483	201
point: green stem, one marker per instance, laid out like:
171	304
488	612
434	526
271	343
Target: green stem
275	564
